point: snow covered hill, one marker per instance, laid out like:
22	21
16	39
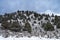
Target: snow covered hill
30	23
50	13
26	38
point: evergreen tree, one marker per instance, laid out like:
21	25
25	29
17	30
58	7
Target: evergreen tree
48	26
5	25
27	27
52	15
56	20
58	25
15	27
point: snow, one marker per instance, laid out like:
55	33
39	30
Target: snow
50	12
26	38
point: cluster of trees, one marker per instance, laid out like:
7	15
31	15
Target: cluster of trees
40	18
52	20
48	26
28	13
16	27
46	18
11	26
1	18
5	25
58	25
36	15
52	15
10	15
56	20
20	15
29	19
27	27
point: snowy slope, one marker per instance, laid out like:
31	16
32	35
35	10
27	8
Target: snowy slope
51	12
26	38
37	29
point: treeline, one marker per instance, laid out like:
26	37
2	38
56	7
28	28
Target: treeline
17	27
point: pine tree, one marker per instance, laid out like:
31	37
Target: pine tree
48	26
27	27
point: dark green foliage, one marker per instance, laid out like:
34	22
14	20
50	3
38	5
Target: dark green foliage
56	20
52	20
36	15
43	25
39	23
19	12
36	28
29	19
41	17
27	27
15	18
10	16
5	25
6	15
43	14
58	25
11	26
52	15
31	16
47	15
1	18
15	27
28	13
22	11
23	21
22	16
34	21
46	18
48	27
32	24
5	19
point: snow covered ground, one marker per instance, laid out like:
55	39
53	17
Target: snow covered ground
26	38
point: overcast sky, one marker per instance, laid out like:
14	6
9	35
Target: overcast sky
33	5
